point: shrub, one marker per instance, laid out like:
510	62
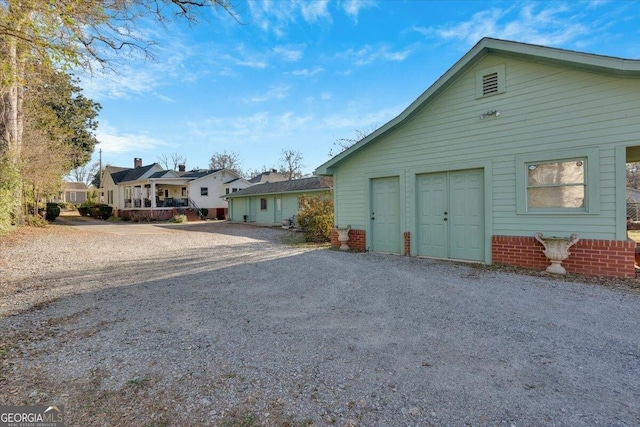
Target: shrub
179	219
53	211
85	208
315	217
204	212
8	202
64	205
105	211
97	211
35	221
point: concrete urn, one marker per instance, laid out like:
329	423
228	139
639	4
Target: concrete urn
556	249
343	237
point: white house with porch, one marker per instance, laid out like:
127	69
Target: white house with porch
153	192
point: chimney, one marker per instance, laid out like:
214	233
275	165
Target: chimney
137	162
182	168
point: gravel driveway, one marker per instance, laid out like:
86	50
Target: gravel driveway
221	324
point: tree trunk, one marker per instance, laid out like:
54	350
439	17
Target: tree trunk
13	123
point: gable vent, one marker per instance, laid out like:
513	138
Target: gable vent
490	84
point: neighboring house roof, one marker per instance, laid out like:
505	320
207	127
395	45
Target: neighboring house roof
164	174
130	174
314	183
577	60
75	186
270	176
199	173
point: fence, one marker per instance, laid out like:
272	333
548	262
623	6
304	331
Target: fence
633	211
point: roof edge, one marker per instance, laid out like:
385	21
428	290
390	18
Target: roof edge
487	45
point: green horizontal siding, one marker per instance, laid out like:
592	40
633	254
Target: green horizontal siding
544	109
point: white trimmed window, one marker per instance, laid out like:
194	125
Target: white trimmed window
556	185
204	191
558	182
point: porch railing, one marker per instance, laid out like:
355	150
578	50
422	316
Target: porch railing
194	207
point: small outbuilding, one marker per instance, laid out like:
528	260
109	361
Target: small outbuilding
512	140
272	203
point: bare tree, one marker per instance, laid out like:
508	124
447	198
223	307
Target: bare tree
291	164
85	173
163	159
341	144
633	175
172	161
252	172
226	160
177	160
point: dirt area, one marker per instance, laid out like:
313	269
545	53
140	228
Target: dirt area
232	325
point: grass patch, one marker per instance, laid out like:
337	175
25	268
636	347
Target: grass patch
298	240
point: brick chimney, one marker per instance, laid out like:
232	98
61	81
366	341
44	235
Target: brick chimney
137	162
182	168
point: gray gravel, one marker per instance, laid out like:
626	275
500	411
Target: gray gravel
204	324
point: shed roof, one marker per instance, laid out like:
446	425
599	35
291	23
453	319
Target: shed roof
314	183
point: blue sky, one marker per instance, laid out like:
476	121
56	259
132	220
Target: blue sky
299	75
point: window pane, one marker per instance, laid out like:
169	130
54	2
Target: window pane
556	197
569	172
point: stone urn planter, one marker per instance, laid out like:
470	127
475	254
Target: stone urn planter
343	237
556	249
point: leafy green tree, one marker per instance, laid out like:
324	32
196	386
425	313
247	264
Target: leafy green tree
68	33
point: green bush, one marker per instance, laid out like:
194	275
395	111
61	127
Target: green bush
203	213
85	208
9	180
100	211
179	219
53	211
315	217
105	211
35	221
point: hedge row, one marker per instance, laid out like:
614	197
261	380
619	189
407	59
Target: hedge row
96	211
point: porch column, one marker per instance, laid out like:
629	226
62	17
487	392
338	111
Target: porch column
152	196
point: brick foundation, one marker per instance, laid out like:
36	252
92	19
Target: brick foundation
407	243
357	240
612	258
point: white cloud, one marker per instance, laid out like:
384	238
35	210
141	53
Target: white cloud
353	7
290	54
308	72
274	92
552	24
369	54
113	142
314	10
